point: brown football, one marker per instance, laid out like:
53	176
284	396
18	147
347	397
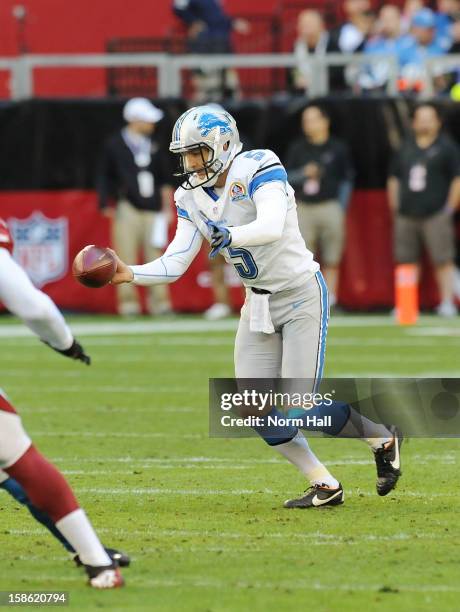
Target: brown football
94	266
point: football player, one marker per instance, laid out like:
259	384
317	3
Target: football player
50	494
41	315
242	204
33	306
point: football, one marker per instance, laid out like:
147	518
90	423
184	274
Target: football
94	266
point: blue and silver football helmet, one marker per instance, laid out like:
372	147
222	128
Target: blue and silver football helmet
208	129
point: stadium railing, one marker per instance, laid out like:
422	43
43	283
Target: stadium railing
170	68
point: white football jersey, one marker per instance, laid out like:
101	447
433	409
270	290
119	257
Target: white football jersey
283	264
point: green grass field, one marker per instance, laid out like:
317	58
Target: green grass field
203	518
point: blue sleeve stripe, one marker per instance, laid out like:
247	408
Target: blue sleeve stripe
181	212
278	174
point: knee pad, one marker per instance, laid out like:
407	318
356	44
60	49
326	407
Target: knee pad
275	428
327	418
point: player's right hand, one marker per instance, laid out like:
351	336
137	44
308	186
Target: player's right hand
123	274
76	351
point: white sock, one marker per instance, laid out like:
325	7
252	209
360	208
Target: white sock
376	443
298	452
76	528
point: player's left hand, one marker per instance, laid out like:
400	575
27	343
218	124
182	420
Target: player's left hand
221	237
76	351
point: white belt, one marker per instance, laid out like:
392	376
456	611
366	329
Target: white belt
260	319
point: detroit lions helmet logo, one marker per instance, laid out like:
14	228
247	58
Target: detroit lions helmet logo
209	122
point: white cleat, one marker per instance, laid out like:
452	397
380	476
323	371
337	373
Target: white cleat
217	311
447	309
100	578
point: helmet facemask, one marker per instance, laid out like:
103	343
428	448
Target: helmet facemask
211	167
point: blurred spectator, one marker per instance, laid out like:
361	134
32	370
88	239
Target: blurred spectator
410	8
447	11
350	37
419	45
209	30
135	173
455	48
388	40
312	39
388	31
453	78
209	27
320	171
424	192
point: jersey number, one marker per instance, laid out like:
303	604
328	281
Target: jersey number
256	155
246	266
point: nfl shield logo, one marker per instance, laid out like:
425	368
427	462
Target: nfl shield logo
41	247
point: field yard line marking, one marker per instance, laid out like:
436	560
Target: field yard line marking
386	342
174	341
140	465
153	434
401	374
433	331
123	328
302	535
110	389
211	492
316	535
232	466
113	434
96	472
195	342
298	585
107	410
450	456
187	358
197	326
157	491
288	585
20	372
291	584
379	359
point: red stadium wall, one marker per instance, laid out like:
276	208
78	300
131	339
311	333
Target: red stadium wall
85	26
56	26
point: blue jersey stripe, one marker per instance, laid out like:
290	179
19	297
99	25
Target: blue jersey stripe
278	174
181	212
323	330
211	193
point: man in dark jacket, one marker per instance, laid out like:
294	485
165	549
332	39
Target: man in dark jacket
424	193
209	30
320	170
135	174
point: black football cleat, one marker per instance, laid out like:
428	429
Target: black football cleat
317	496
104	577
388	462
121	559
